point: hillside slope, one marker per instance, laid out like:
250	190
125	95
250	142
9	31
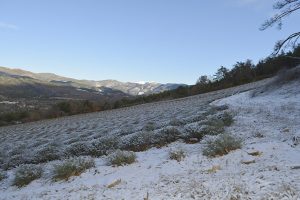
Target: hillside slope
266	167
17	84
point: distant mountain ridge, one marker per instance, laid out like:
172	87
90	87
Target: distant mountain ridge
52	85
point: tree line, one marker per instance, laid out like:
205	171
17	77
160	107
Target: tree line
240	73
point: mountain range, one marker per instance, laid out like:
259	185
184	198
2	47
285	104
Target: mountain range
18	83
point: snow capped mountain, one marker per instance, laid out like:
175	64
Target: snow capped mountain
137	88
144	82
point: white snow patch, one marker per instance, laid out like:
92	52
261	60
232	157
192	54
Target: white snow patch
144	82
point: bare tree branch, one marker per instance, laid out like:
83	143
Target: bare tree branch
278	17
285	7
297	58
280	4
290	41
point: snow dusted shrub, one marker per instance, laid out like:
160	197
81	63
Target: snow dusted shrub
216	129
227	119
72	167
77	149
296	140
144	140
14	157
103	146
47	153
176	122
25	174
216	124
14	160
221	145
149	126
2	158
211	110
194	131
197	130
120	158
222	107
167	136
258	134
177	155
140	141
284	191
196	118
2	175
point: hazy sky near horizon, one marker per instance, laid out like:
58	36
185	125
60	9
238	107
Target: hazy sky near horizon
135	40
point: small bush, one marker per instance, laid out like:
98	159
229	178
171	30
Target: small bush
146	139
222	107
212	129
103	146
214	121
222	145
167	136
194	133
77	149
150	126
211	111
120	158
197	118
177	155
13	161
220	120
72	167
176	122
2	157
46	154
140	141
216	125
227	119
25	174
258	135
2	175
15	157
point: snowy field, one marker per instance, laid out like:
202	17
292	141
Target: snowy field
266	167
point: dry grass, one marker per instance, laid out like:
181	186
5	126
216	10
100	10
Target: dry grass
114	183
25	174
214	169
72	167
2	175
120	158
177	155
222	145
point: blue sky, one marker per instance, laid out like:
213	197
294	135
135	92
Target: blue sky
134	40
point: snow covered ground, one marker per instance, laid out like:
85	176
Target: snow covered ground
267	123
